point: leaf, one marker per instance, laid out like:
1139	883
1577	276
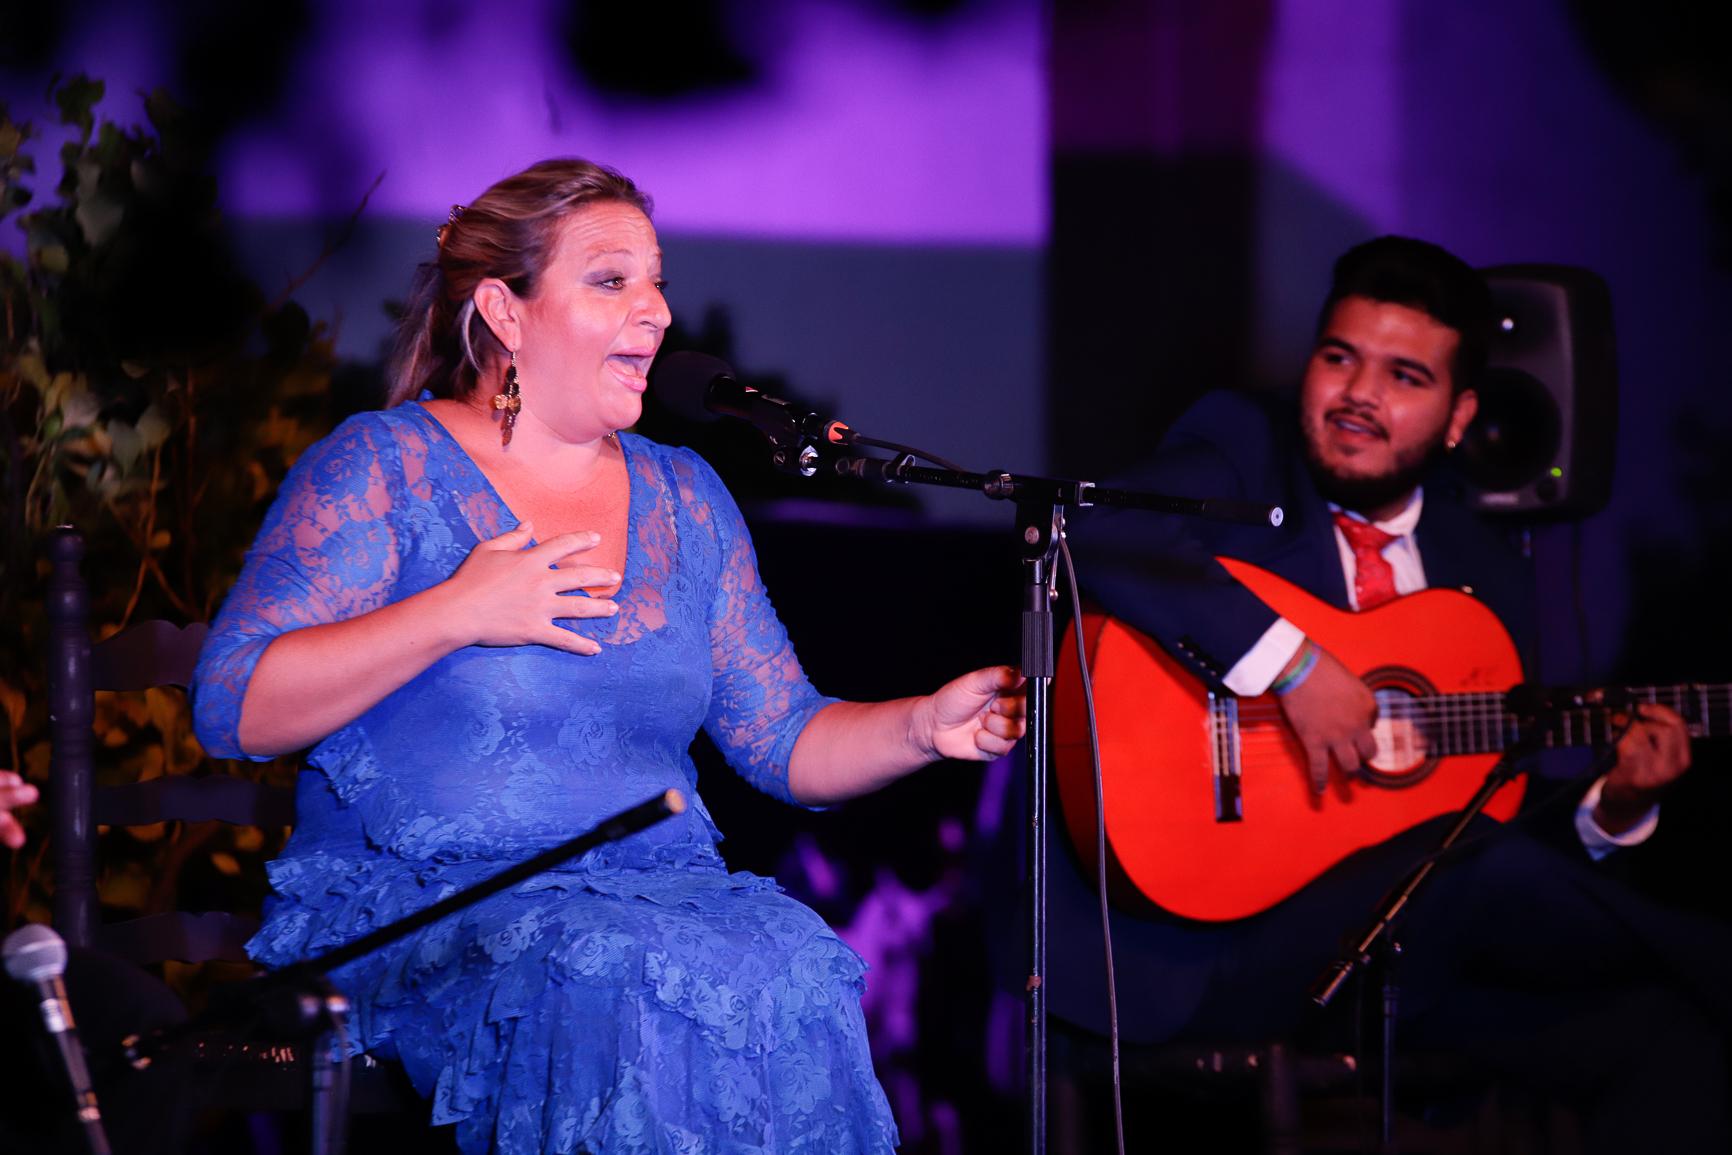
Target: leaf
152	764
162	110
167	708
125	445
76	98
59	505
12	701
69	154
12	196
109	142
31	367
133	708
98	214
153	428
79	405
54	393
128	889
51	259
151	833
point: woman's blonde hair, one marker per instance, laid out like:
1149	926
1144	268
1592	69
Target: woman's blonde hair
509	232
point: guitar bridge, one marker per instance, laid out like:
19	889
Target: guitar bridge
1224	757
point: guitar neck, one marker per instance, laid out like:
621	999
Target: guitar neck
1592	718
1481	723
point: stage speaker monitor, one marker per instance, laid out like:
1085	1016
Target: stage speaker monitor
1542	443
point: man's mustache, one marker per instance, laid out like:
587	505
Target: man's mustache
1361	416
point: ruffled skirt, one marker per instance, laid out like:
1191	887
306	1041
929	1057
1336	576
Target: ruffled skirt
685	1011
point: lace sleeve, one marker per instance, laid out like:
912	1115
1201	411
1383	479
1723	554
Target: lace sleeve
327	553
760	697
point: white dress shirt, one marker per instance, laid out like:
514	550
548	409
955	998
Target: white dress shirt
1257	670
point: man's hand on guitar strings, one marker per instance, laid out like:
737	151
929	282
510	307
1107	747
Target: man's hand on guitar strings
1331	712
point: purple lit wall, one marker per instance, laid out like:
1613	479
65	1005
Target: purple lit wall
863	125
863	202
856	121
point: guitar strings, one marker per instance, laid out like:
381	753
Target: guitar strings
1700	700
1478	722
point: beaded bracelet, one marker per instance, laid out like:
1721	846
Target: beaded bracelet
1295	677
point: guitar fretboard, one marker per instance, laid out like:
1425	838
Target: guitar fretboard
1482	723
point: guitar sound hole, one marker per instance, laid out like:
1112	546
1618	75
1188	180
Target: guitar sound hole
1404	747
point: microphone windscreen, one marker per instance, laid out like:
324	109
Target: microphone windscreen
680	382
34	953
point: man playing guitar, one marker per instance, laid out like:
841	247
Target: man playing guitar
1507	924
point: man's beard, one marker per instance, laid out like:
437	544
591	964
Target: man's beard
1360	494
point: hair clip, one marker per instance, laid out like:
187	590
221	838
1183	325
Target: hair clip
444	229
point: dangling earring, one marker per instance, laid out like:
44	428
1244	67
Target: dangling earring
509	400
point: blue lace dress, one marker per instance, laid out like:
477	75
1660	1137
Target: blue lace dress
641	998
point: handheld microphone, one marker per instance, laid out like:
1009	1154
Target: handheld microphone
700	387
37	956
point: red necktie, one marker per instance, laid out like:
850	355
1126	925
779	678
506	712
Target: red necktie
1373	576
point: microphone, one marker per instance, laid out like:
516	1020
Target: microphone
35	955
700	387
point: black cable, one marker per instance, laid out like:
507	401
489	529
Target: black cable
1088	690
857	439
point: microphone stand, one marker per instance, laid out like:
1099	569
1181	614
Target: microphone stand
299	1002
1041	505
1377	939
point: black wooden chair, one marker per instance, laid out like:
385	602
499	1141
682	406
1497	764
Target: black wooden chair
250	1075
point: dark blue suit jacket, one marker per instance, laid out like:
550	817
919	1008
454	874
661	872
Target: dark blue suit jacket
1158	573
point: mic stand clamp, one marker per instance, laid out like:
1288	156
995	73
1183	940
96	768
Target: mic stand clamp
795	455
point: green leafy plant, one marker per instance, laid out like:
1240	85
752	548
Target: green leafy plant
152	396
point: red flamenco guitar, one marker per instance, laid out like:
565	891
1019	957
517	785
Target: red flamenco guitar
1209	810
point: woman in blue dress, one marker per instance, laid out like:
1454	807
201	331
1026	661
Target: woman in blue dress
497	619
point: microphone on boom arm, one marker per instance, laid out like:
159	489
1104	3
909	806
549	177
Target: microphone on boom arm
699	387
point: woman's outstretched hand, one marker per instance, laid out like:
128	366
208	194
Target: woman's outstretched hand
852	748
976	717
512	595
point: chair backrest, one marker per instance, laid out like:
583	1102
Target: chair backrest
150	654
